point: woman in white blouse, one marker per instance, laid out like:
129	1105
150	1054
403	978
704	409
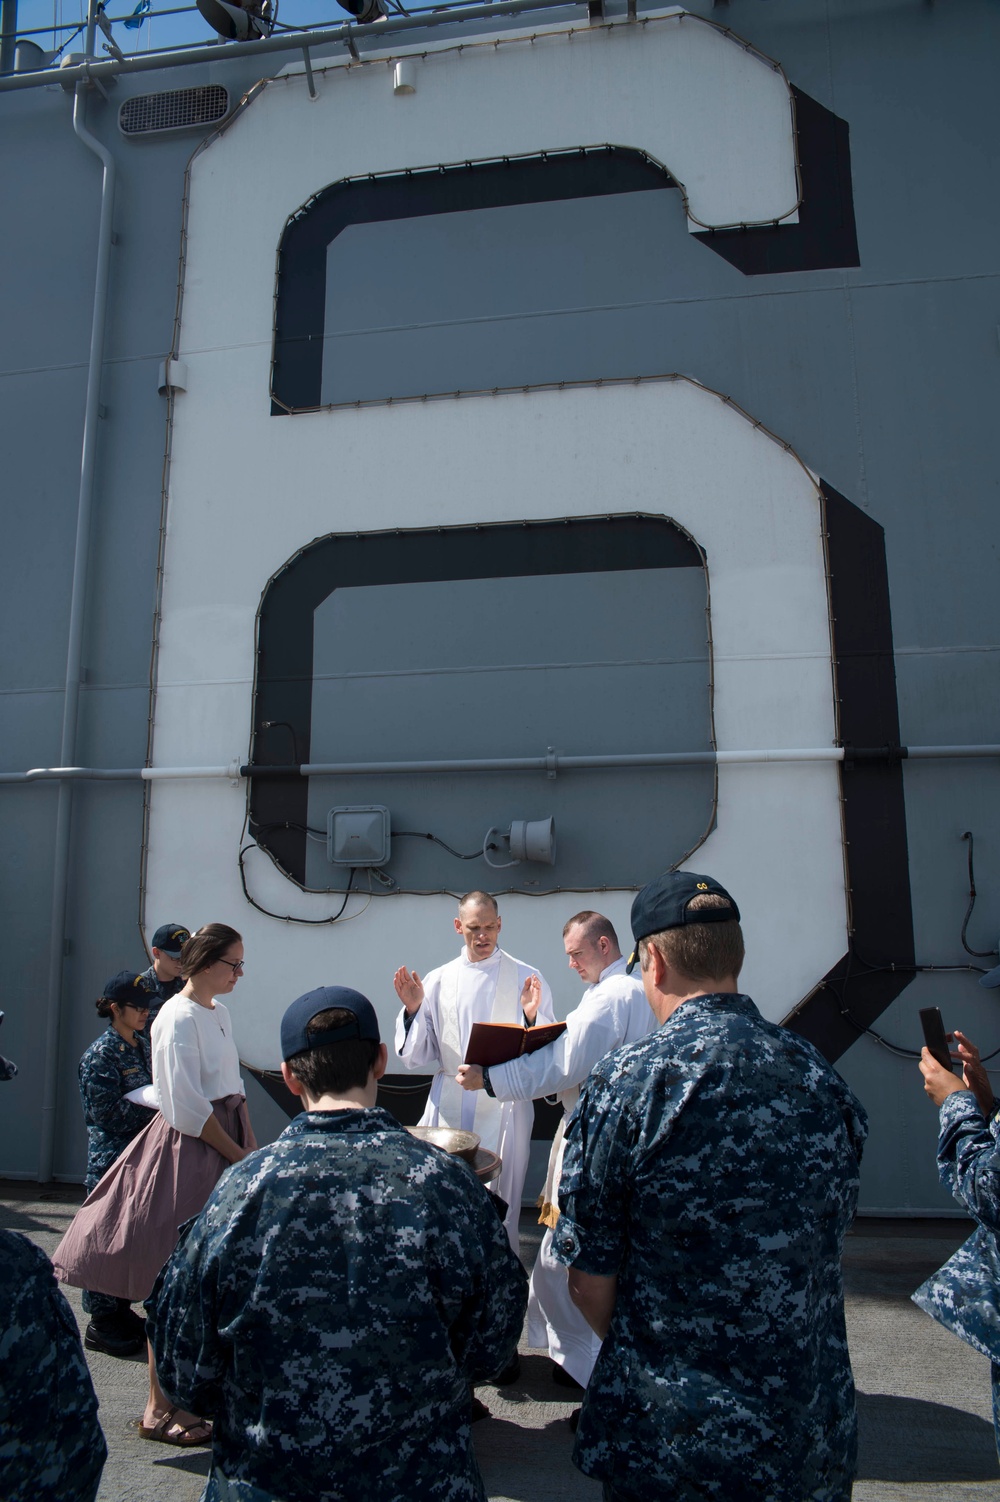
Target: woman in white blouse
195	1062
196	1076
125	1231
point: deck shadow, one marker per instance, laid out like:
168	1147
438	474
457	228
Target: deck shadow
910	1439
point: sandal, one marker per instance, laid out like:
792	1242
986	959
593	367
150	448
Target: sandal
184	1437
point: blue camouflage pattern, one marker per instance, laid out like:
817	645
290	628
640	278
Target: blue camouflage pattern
159	992
109	1069
330	1307
713	1166
51	1445
964	1294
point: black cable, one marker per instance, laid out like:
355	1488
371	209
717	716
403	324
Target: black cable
414	834
282	725
287	917
65	44
257	829
981	954
870	969
397	834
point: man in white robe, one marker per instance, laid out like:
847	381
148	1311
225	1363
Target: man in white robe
484	984
613	1011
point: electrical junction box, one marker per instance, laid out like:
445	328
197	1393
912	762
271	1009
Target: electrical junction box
358	836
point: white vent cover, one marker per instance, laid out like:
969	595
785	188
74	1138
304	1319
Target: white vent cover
177	109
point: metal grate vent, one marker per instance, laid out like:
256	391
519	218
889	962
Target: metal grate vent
177	109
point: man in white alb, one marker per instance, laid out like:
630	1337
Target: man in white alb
613	1011
484	984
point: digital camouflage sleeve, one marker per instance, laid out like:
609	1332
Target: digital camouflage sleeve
51	1445
330	1307
107	1072
713	1167
964	1294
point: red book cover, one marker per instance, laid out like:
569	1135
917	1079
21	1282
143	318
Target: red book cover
499	1042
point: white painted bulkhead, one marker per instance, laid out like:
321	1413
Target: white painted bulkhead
248	490
661	447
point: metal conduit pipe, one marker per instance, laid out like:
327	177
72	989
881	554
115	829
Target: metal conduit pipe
295	41
925	752
552	763
74	647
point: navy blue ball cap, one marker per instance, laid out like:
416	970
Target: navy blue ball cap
991	978
127	988
664	903
295	1037
170	938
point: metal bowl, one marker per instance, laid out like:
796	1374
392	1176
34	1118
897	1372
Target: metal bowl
459	1144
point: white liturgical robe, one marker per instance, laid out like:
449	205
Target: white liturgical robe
613	1011
455	996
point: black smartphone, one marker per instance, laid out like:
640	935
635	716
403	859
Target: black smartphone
935	1036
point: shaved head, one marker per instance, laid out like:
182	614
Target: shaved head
478	899
593	926
478	922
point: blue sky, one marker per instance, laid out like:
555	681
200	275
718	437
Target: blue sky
159	30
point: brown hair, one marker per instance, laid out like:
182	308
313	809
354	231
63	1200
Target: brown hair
207	946
334	1068
595	926
701	951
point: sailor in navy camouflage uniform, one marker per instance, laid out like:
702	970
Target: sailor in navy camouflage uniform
711	1171
338	1294
51	1445
965	1294
112	1066
163	978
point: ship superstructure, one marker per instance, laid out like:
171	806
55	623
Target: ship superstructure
510	447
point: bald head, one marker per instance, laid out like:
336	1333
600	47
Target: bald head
478	899
478	922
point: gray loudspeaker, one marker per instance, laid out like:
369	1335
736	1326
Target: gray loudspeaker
533	840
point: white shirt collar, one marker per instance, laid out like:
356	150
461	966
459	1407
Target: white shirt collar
492	959
615	968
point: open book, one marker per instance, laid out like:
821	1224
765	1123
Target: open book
499	1042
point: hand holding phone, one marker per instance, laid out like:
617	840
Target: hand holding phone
935	1037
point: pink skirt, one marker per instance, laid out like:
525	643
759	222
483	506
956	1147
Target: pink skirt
126	1229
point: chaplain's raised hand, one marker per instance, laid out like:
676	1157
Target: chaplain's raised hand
409	989
531	995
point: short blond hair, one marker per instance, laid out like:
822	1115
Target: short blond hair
700	951
479	899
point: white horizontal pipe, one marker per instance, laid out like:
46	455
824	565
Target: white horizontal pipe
820	753
501	764
175	774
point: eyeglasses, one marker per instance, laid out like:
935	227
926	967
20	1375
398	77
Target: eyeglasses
236	966
138	1006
